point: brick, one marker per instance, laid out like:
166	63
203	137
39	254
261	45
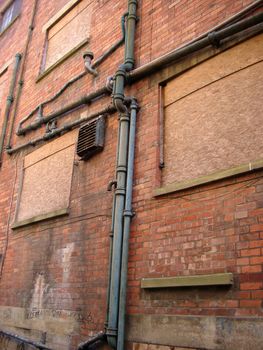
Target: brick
250	252
251	303
250	286
218	227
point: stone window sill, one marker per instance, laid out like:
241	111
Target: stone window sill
203	180
61	60
188	281
35	219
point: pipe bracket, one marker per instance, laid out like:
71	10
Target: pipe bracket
112	184
120	191
10	99
121	168
124	117
111	332
213	38
129	213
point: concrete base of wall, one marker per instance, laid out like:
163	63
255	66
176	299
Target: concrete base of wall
194	332
53	327
142	346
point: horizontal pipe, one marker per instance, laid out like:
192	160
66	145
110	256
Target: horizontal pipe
23	340
99	339
177	54
53	98
66	128
150	68
84	100
101	59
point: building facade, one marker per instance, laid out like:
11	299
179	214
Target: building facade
131	189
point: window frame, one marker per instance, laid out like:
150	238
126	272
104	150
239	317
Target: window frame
171	73
43	69
15	5
51	149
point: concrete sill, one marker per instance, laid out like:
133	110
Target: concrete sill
223	279
39	218
61	60
220	175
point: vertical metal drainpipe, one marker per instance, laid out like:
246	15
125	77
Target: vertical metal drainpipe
121	177
126	227
21	78
9	101
130	36
112	330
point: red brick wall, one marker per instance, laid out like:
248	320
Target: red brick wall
214	228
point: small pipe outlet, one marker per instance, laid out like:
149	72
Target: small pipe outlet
88	57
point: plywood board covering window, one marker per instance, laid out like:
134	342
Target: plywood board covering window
213	114
47	179
68	32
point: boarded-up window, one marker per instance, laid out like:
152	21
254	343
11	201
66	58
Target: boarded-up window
47	179
68	33
213	114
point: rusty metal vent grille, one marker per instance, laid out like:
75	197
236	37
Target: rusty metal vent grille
91	138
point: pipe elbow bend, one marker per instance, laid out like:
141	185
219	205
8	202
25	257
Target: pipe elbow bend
120	106
19	131
91	70
122	68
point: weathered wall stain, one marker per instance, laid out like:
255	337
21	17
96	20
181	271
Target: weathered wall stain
40	289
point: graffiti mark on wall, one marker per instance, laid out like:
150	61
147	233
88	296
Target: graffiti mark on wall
47	313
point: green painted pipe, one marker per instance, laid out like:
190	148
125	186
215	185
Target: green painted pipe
21	77
121	176
63	130
9	101
126	227
209	39
130	37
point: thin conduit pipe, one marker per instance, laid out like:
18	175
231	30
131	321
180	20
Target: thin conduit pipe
66	128
111	237
119	241
53	98
21	77
152	66
115	46
172	56
84	100
126	227
161	127
9	101
101	59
